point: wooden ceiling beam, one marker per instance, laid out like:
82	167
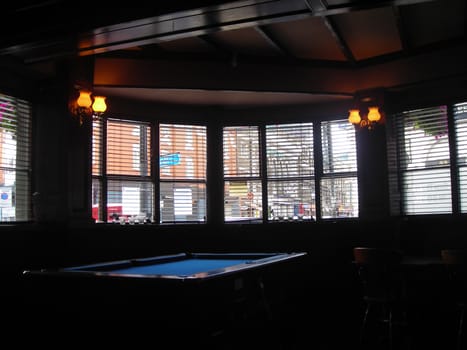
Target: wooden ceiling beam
181	23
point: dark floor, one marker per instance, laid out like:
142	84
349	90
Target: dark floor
325	315
319	324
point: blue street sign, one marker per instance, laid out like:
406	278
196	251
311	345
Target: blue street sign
169	159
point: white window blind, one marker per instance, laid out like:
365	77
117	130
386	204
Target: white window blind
97	169
242	182
339	182
15	159
126	175
182	164
128	148
460	124
424	161
97	143
290	169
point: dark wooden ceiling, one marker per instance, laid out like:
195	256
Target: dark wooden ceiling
337	34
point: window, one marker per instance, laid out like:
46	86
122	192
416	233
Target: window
123	170
272	172
422	180
97	170
15	159
124	183
242	181
339	181
289	174
460	124
182	163
290	169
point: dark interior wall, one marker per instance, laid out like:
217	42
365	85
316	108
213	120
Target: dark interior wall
372	163
329	244
49	157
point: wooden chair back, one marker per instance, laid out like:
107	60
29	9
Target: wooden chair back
380	273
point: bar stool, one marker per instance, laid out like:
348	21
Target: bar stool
455	261
383	291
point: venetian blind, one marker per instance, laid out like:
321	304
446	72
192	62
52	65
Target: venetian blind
424	161
15	159
460	122
339	147
97	169
339	183
130	190
290	169
182	164
242	183
128	148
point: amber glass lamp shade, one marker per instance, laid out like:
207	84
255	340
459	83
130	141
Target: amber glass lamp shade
84	99
99	106
373	114
354	116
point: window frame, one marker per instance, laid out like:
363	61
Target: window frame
395	171
18	118
262	177
101	179
317	176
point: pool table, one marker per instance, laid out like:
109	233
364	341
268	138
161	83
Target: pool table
209	290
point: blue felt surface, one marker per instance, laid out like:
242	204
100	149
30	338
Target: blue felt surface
181	268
